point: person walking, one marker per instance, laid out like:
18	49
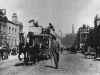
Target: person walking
55	52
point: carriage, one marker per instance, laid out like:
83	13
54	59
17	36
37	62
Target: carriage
38	47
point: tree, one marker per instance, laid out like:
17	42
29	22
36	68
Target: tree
69	40
93	39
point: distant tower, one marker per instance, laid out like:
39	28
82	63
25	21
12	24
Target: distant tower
73	29
14	17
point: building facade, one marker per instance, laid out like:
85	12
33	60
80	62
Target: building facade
82	35
83	32
9	30
14	28
3	31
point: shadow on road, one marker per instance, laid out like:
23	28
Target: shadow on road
23	64
52	67
48	66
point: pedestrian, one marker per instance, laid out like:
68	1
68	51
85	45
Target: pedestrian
55	52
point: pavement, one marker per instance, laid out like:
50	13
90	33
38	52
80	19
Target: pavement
12	57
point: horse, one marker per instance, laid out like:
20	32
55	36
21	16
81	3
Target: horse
22	46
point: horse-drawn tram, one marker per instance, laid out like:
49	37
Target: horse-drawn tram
38	47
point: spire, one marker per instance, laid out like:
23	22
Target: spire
72	28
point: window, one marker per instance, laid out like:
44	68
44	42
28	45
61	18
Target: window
0	27
15	29
12	29
9	29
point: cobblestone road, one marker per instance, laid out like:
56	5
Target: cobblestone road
70	64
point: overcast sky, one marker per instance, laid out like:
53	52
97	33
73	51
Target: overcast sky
62	13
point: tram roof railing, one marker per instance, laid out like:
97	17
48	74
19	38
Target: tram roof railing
43	35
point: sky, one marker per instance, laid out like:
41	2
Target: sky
61	13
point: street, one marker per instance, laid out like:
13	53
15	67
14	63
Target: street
70	64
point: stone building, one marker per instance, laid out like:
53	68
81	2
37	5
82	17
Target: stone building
84	31
14	27
3	22
82	35
9	30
